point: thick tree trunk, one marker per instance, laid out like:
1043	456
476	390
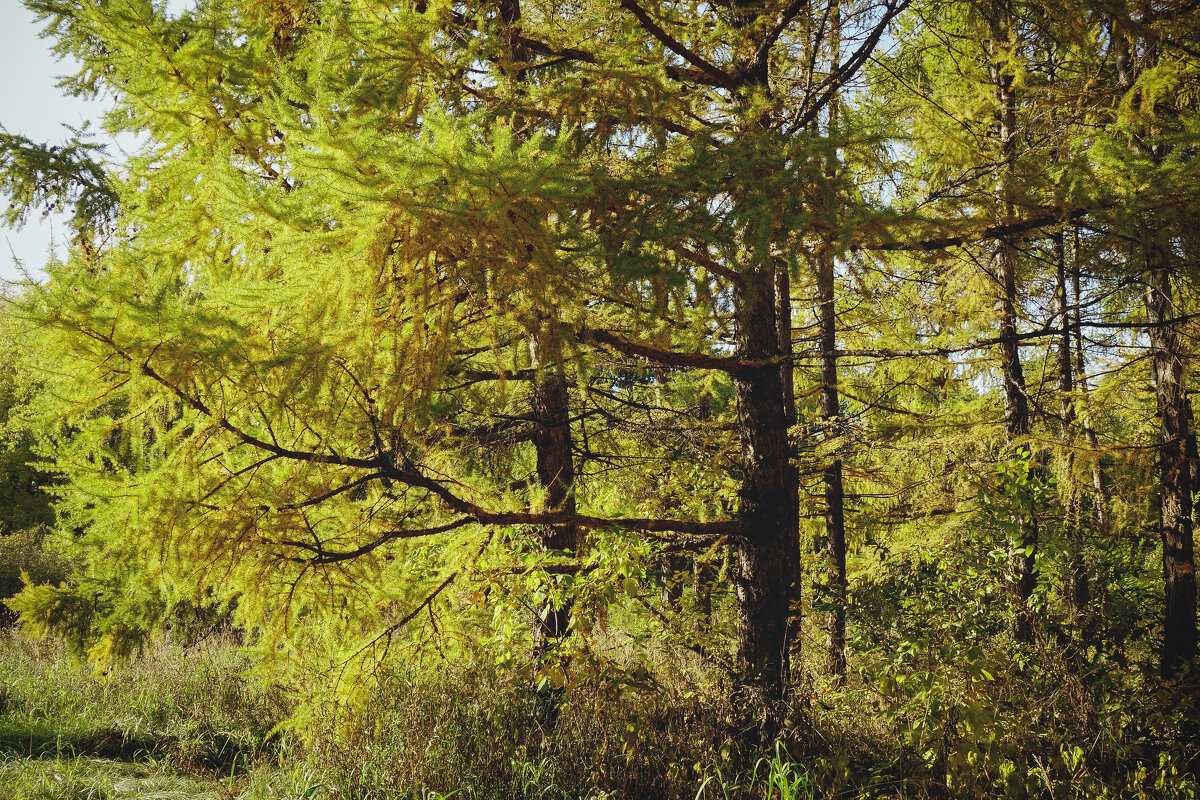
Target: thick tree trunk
550	400
768	574
1174	482
1170	383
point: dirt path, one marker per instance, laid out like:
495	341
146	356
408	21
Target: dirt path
89	778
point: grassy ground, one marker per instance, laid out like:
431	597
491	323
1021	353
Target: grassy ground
181	722
184	722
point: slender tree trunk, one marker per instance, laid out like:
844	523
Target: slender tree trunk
835	518
1174	481
1193	452
768	554
835	511
1023	550
783	324
1078	590
787	378
671	593
1101	500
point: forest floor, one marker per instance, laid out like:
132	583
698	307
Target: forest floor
185	722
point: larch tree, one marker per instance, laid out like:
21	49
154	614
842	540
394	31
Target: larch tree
354	225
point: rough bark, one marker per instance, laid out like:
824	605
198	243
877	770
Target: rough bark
1170	383
550	400
1023	549
556	476
768	554
1174	471
835	512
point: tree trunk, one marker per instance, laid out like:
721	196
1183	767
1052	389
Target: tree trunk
1174	481
1023	550
1170	383
1078	592
550	401
835	512
835	518
768	574
556	476
1101	500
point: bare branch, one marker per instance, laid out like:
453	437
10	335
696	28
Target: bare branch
828	88
1056	217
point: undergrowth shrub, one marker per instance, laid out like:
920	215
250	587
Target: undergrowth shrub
25	552
482	731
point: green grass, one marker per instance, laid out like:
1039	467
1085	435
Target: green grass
184	722
179	722
64	777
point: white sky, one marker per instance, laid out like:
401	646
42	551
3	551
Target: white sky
31	104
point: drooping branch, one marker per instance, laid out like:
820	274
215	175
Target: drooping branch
410	475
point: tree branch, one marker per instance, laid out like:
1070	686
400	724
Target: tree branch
668	358
829	87
992	232
722	77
